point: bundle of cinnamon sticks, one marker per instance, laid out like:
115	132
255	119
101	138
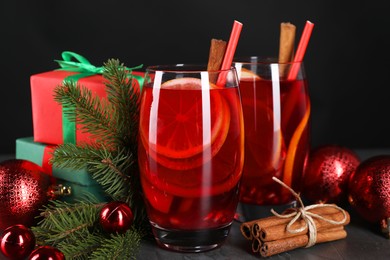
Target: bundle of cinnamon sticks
271	236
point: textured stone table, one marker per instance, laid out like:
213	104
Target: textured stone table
363	241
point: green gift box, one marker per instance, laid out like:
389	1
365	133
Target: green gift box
38	153
80	181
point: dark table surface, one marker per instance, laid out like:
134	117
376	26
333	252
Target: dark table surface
364	240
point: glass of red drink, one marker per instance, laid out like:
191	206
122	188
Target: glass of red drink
276	108
191	154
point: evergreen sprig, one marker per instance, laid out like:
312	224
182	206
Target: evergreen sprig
108	168
68	227
93	114
111	160
117	247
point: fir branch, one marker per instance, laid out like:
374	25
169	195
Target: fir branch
110	169
112	162
117	172
67	224
74	157
124	97
93	114
119	247
83	249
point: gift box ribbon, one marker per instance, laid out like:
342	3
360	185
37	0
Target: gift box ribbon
85	69
47	155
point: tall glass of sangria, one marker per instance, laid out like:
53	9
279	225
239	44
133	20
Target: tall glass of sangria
276	108
191	154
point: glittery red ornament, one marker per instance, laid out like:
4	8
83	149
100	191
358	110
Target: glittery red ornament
115	217
46	253
369	189
327	173
23	190
17	242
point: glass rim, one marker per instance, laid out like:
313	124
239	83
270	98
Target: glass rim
262	60
185	68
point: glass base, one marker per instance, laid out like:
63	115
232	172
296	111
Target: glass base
247	212
190	241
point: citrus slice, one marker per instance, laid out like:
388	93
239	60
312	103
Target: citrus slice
248	75
186	83
292	149
176	129
192	183
158	199
264	137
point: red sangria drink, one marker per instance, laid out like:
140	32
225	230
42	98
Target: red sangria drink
191	154
276	114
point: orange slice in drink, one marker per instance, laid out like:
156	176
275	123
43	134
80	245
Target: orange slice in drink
158	199
294	143
185	123
263	137
248	75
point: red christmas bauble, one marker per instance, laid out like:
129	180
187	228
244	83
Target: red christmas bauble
116	217
45	253
17	242
327	173
23	190
369	188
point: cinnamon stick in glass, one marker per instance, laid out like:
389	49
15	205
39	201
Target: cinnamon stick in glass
287	244
216	55
278	232
286	45
217	52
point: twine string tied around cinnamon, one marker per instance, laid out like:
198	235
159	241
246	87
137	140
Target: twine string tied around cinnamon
303	213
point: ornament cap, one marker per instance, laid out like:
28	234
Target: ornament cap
60	190
385	227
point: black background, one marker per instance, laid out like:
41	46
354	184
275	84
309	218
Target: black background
346	61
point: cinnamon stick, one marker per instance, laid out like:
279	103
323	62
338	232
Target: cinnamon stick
287	244
257	225
286	45
256	244
217	52
278	232
246	229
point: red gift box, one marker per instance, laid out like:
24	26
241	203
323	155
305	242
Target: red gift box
47	113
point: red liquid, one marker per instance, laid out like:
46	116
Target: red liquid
191	163
270	124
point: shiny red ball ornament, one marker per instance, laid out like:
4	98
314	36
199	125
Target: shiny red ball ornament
46	253
23	191
327	174
17	242
116	217
369	189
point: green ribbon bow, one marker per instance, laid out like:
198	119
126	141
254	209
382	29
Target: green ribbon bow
85	69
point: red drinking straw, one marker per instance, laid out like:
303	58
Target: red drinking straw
302	46
230	49
232	45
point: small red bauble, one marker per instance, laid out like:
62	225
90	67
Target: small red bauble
46	253
327	173
23	190
17	242
116	217
369	189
